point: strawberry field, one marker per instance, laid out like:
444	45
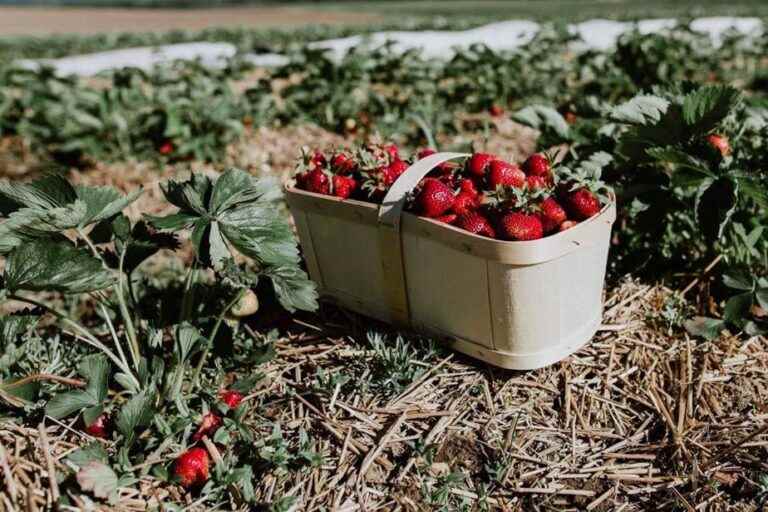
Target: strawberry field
163	347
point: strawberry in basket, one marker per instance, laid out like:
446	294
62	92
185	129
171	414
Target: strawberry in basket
486	195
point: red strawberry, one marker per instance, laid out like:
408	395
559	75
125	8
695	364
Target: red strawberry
435	198
552	214
231	398
537	165
501	173
208	426
568	224
393	151
343	163
478	163
424	153
166	148
536	182
570	117
496	110
448	218
99	428
467	186
446	168
317	181
719	143
476	223
520	226
393	171
318	159
343	186
582	204
465	203
191	468
468	199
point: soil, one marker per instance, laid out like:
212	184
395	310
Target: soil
48	20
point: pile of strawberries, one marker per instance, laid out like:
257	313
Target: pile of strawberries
485	195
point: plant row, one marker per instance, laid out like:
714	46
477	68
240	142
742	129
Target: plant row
187	111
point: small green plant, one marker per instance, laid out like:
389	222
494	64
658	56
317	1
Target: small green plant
440	493
396	364
139	373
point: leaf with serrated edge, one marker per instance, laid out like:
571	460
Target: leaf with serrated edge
65	404
293	288
50	266
136	412
97	478
103	202
642	109
707	106
95	368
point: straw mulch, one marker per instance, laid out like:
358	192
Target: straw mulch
641	418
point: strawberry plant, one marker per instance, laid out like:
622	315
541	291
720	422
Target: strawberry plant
74	243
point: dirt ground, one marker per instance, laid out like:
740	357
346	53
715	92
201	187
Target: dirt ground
47	20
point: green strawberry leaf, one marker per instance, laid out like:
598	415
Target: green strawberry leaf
68	403
707	328
138	411
103	202
89	453
293	288
50	191
738	280
680	160
545	119
99	479
238	214
737	308
48	266
761	295
641	110
752	188
186	337
706	107
52	201
95	368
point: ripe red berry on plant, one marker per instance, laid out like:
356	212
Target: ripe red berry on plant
99	427
485	195
191	468
166	148
231	398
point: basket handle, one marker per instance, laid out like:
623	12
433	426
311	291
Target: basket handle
393	203
390	241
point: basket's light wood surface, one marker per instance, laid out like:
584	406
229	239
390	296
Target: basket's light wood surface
518	305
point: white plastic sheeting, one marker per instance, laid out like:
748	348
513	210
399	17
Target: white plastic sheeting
506	35
145	57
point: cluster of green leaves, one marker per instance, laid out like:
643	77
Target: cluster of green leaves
370	89
685	203
182	111
76	241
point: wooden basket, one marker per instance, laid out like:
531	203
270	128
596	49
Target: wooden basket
518	305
